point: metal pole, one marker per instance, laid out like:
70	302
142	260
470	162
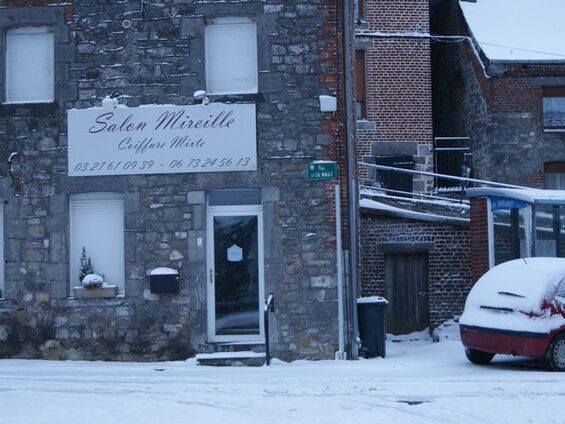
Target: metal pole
266	321
352	197
269	307
340	354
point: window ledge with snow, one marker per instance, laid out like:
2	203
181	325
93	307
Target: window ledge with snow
364	124
95	292
554	130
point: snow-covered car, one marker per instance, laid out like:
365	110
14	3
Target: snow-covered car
517	308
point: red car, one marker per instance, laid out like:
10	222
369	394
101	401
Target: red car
517	308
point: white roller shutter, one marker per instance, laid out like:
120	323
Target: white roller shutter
97	223
2	279
30	76
231	56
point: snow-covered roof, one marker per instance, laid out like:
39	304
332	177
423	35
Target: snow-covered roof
409	214
518	30
529	195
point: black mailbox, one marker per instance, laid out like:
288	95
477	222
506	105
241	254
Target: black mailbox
164	281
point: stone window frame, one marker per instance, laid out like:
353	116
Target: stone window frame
193	28
87	201
52	17
223	24
11	215
37	53
60	206
2	245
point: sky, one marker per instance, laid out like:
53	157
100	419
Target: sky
419	381
518	30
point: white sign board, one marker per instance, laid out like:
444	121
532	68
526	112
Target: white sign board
161	139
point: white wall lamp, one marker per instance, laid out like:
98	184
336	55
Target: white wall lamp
328	106
109	103
201	96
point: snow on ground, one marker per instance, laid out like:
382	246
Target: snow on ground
518	30
418	382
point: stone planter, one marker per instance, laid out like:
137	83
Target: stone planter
84	293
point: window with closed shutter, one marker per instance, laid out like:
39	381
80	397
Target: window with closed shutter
97	224
30	65
231	56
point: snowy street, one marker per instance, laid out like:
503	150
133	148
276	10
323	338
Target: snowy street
418	382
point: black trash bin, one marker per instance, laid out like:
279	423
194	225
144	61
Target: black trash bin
371	316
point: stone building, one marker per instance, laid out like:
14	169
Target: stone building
164	146
501	83
503	86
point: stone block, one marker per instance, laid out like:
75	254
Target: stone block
196	197
323	281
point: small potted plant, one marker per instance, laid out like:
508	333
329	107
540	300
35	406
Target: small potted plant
92	284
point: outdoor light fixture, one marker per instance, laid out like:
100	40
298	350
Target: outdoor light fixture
109	103
200	96
328	106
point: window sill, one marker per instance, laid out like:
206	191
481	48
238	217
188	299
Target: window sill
30	102
554	130
364	124
254	90
95	293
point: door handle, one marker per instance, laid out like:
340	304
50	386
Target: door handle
211	276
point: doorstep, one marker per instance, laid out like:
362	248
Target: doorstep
226	359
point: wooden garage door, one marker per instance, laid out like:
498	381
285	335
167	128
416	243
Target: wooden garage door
406	276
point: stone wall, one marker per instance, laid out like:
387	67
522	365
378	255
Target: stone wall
145	53
498	107
448	247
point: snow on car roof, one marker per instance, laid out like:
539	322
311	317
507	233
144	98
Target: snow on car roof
521	284
518	30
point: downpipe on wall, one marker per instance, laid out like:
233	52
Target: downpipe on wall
352	196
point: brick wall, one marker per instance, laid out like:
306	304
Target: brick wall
479	237
398	78
449	272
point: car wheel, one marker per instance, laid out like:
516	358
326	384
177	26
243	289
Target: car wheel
555	355
478	357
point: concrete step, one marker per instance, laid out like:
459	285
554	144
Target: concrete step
226	359
253	346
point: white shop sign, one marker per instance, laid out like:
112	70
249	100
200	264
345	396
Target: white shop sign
160	139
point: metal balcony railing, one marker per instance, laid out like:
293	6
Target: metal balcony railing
452	156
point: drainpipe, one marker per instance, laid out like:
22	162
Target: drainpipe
352	196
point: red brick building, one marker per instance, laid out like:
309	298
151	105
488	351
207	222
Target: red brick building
394	93
413	253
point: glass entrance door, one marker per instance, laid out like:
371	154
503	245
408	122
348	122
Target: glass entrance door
235	280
